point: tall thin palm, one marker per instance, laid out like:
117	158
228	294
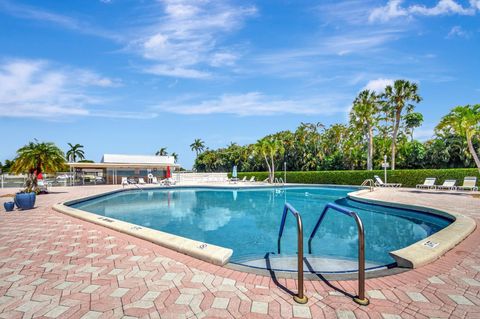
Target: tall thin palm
162	152
365	116
42	157
397	99
175	157
197	146
464	121
75	151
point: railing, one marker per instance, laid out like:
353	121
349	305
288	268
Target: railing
370	183
360	299
278	181
300	297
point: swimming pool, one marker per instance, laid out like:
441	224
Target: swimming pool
247	220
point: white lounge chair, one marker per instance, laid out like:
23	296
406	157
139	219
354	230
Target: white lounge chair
449	184
124	181
42	185
380	183
154	180
252	179
244	179
429	183
469	183
141	181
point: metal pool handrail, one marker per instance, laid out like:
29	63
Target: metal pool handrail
370	184
360	299
300	297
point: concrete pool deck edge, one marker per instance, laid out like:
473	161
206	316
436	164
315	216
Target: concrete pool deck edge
204	251
433	247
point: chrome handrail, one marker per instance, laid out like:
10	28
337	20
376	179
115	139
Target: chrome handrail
370	183
360	299
300	297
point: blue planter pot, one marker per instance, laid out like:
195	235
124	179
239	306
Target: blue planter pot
9	206
25	200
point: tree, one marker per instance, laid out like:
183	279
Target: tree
175	157
198	146
412	121
74	152
397	99
364	116
40	157
269	148
162	152
464	121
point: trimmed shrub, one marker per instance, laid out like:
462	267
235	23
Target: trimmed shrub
407	177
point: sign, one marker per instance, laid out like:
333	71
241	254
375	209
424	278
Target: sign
385	165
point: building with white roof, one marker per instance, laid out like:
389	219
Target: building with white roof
113	167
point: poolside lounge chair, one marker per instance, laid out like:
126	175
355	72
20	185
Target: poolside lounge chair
141	181
42	185
469	183
380	183
244	179
448	184
429	183
252	179
154	180
124	181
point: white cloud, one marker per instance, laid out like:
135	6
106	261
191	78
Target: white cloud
37	88
186	39
378	85
457	31
394	9
33	13
255	104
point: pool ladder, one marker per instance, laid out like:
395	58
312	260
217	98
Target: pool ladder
300	297
370	183
278	181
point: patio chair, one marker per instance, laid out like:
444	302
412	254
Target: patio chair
124	181
448	184
252	179
380	183
155	180
244	179
469	183
429	183
141	181
42	185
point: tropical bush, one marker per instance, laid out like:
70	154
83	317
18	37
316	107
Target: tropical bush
407	177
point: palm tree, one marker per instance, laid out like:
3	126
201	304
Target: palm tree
397	98
74	152
162	152
464	121
364	116
42	157
198	146
269	148
175	157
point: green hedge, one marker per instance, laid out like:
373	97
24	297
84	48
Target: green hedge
408	177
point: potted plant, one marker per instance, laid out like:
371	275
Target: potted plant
26	198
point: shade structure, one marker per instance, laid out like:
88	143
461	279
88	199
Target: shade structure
234	172
169	174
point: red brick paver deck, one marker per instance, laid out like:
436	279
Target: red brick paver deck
55	266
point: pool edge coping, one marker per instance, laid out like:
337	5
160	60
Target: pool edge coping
214	254
418	254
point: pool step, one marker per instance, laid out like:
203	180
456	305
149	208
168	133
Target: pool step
310	264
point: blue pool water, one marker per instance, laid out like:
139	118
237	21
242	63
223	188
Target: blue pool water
247	220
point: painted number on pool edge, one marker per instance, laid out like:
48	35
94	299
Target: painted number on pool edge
430	244
202	246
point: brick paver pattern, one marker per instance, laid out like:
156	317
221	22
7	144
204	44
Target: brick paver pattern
56	266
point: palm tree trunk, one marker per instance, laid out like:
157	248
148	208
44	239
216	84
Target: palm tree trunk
394	138
370	149
269	169
273	170
473	152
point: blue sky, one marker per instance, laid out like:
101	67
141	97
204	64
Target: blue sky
133	76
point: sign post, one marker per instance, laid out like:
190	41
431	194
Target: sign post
285	172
